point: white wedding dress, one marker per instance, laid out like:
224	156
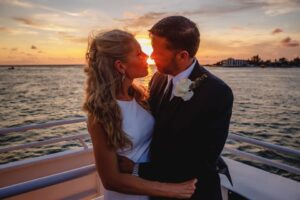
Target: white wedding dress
138	125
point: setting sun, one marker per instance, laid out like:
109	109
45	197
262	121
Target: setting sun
145	43
150	61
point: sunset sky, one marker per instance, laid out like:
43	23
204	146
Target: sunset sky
56	31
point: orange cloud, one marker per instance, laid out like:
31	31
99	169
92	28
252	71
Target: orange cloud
4	29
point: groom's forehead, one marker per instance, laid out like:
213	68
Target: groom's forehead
159	40
161	43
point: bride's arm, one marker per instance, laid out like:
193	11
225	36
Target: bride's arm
113	179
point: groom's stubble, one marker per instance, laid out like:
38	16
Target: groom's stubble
171	68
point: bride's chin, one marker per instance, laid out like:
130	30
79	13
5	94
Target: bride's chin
142	75
145	74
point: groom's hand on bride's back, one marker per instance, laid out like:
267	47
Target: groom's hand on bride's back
125	164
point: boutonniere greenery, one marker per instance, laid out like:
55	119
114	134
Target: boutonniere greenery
185	87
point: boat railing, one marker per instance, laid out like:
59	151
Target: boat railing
274	147
82	136
47	181
43	182
5	131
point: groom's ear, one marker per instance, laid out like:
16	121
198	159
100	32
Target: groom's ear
183	56
119	66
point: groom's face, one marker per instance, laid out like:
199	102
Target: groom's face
164	57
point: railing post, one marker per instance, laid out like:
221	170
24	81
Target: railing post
83	143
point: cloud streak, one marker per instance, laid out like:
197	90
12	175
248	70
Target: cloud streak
72	38
270	7
279	7
28	5
288	42
143	20
237	28
5	30
27	21
18	3
214	10
42	25
276	31
15	31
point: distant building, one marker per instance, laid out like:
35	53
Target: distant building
231	62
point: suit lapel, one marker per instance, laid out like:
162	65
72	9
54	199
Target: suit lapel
160	92
197	71
172	107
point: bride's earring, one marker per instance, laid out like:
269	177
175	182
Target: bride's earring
123	78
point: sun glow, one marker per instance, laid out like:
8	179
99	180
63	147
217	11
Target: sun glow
145	43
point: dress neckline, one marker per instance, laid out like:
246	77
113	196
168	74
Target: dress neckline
126	101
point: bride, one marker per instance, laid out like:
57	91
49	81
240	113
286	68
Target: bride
119	120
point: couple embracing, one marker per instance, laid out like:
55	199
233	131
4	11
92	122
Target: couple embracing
164	143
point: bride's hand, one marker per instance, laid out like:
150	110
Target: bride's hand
183	190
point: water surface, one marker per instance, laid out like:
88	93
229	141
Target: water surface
266	107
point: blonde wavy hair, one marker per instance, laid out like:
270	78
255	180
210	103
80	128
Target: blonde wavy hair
104	82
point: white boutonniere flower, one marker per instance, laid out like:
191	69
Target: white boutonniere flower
184	88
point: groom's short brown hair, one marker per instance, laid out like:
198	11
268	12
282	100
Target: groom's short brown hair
180	32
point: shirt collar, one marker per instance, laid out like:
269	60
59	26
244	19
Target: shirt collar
175	79
184	74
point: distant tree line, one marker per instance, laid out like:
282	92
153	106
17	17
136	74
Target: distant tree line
281	62
256	61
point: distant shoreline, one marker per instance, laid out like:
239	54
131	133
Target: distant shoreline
217	66
82	65
56	65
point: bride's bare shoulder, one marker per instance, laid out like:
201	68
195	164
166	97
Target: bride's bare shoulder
93	125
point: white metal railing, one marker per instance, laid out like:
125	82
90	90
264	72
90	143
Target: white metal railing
47	181
79	137
265	145
266	161
82	136
39	183
278	148
4	131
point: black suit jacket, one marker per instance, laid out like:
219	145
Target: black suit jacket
189	135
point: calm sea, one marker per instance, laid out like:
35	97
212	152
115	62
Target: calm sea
266	107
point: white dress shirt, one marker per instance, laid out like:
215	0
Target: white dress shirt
175	79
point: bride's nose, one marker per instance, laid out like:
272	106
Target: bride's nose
146	56
152	56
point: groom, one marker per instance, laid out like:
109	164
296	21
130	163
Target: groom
191	122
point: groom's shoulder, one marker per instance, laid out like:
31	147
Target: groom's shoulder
218	82
159	75
157	78
215	85
221	89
